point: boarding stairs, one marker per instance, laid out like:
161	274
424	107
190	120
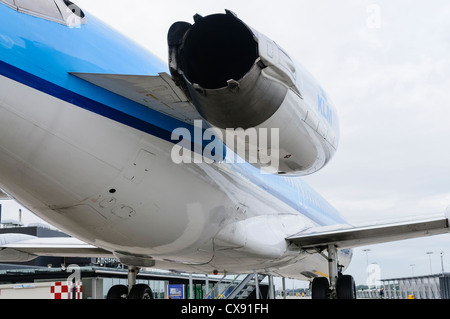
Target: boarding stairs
239	288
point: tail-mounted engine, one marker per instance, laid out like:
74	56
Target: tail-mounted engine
238	78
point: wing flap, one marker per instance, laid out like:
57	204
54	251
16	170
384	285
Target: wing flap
156	92
350	237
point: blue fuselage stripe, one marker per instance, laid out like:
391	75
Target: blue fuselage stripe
61	93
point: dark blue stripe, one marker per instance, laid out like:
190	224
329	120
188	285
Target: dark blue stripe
64	94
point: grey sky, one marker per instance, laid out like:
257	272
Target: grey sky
386	65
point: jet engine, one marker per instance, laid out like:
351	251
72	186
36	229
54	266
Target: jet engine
244	85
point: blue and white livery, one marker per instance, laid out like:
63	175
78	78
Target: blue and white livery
86	123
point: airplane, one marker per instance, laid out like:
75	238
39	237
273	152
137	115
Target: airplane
128	154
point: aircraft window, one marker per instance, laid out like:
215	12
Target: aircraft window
61	11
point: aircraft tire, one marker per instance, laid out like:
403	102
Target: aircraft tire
140	291
117	292
320	288
345	287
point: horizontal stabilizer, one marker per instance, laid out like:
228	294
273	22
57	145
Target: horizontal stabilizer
156	92
349	237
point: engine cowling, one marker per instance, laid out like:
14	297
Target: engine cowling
238	78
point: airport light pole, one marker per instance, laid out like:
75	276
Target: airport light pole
429	253
412	269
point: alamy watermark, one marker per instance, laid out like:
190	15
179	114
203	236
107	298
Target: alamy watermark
255	146
374	16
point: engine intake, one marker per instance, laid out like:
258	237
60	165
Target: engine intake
216	49
217	61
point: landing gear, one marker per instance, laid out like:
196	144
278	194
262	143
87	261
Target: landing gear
117	292
140	291
320	288
339	286
345	287
133	291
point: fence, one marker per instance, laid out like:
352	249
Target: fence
421	287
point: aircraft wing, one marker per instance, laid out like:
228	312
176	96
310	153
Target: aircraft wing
345	236
156	92
21	248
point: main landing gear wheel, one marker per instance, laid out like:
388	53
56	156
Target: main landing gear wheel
339	286
345	287
320	288
140	291
133	290
117	292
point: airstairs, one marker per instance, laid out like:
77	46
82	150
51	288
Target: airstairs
239	288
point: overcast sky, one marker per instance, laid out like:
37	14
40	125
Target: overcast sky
386	66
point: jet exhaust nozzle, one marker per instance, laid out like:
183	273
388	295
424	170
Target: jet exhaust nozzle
217	61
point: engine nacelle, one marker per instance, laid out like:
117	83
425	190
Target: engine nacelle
238	78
